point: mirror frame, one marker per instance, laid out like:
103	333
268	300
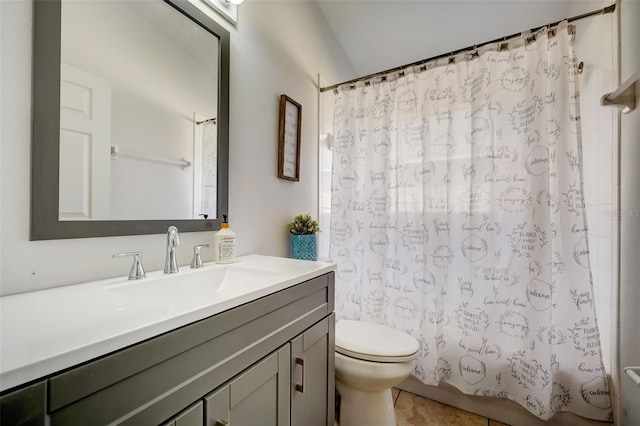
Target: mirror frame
45	143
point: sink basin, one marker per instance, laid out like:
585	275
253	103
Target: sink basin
194	287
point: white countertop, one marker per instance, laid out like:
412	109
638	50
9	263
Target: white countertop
46	331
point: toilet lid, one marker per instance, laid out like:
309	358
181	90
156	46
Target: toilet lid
374	342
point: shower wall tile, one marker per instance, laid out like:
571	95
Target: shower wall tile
606	162
604	220
599	289
593	253
590	192
605	144
589	128
604	255
595	46
605	197
591	212
604	277
606	78
604	314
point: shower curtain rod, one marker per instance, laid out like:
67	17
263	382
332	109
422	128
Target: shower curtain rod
603	11
206	121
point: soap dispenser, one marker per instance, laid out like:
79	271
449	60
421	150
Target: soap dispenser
224	243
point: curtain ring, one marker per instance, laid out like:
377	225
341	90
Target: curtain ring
580	67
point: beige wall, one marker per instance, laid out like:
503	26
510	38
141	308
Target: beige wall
277	47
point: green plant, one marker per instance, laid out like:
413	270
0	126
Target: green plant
303	224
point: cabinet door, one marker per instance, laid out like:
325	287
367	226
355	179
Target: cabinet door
259	396
192	416
217	410
312	384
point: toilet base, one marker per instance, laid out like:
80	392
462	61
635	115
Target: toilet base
359	408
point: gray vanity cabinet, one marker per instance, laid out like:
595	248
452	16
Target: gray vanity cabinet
241	367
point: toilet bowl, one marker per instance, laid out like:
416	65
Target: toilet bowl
370	360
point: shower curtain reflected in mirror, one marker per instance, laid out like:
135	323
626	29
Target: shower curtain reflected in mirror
207	183
458	217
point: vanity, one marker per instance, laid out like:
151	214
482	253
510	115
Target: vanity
250	343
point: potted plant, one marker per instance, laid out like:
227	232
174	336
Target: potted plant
303	237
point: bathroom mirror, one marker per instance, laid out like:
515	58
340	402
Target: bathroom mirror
130	119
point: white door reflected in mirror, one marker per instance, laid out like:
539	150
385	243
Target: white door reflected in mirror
85	133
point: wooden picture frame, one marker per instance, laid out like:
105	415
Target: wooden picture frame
289	139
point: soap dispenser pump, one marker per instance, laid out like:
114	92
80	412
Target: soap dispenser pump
224	247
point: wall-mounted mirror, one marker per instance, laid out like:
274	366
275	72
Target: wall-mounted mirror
130	118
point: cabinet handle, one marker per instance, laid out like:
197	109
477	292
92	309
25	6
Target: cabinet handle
300	362
221	422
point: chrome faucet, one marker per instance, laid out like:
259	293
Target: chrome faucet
173	241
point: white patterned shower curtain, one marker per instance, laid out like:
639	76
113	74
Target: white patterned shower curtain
458	217
209	182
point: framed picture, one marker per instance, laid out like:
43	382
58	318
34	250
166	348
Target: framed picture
289	140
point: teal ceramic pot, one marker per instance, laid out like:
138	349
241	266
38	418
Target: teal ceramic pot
304	247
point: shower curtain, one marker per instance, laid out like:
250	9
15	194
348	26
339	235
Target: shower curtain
458	217
208	187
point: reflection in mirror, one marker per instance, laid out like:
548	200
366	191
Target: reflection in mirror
138	108
151	154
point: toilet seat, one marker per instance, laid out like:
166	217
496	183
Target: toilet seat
374	342
373	358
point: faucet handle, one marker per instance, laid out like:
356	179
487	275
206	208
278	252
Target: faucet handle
137	271
196	262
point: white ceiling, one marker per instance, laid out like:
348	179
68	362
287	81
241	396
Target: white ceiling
381	34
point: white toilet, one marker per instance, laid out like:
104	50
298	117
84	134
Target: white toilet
370	360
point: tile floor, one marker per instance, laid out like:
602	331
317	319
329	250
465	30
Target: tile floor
414	410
